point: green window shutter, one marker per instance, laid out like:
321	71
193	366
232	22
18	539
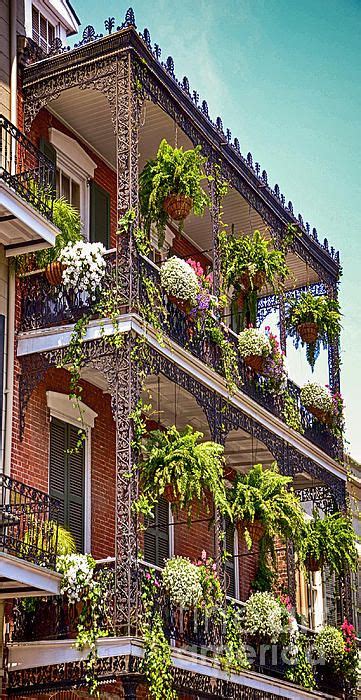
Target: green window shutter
99	215
48	150
66	477
156	535
230	560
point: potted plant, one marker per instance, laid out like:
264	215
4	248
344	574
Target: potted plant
274	368
180	282
318	401
254	347
264	496
330	540
182	581
313	320
83	267
180	459
170	186
264	618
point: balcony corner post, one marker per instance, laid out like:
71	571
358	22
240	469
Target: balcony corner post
130	684
215	211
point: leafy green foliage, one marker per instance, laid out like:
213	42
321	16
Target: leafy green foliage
291	414
323	311
331	540
173	171
300	671
251	254
66	542
183	461
233	656
67	220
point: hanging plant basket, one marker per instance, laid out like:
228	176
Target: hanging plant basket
308	332
183	305
255	528
322	416
259	280
178	206
54	273
240	299
255	362
313	564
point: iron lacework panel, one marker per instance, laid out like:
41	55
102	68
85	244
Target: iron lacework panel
25	169
28	523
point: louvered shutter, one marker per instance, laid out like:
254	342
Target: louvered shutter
35	24
66	477
57	465
230	561
75	459
99	215
331	597
156	535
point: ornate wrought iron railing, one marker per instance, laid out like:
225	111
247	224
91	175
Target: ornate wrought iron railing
28	523
26	169
44	305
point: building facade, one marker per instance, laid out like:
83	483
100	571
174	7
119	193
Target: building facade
88	119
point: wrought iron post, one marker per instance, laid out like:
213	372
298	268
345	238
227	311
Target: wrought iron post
215	211
283	333
130	684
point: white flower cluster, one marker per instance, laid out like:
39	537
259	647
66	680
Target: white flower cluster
263	617
77	575
179	279
313	394
294	633
253	342
330	645
182	580
84	266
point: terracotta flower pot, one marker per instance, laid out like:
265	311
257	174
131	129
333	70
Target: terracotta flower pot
308	332
177	206
255	362
170	493
54	272
322	416
259	280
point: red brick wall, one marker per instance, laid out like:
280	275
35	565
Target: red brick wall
31	456
104	176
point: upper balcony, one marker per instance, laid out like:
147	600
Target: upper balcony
27	191
28	541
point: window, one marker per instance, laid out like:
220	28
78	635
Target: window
99	215
67	477
43	31
156	535
68	188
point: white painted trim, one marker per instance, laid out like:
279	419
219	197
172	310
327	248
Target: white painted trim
58	337
59	14
236	563
73	161
61	406
27	574
171	532
38	225
82	417
34	654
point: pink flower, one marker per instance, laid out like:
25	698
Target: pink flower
204	554
214	567
147	576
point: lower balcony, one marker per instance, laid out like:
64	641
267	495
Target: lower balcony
28	541
43	657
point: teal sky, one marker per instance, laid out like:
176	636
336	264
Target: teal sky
285	77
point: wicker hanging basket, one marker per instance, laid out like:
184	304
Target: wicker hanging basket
178	206
255	362
322	416
308	332
54	272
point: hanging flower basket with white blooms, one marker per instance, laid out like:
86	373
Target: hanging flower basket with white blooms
318	400
264	617
83	266
254	346
77	572
179	280
182	581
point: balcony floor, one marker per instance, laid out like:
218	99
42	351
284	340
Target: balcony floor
20	579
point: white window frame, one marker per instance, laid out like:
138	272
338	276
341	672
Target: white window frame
61	18
74	162
63	408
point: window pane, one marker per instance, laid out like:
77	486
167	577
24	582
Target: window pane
65	187
51	33
35	24
75	195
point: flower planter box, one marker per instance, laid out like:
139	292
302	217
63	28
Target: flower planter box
323	416
313	564
177	206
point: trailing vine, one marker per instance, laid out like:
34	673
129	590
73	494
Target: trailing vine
233	656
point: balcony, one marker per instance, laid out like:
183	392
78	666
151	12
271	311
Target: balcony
45	306
27	179
194	635
28	541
